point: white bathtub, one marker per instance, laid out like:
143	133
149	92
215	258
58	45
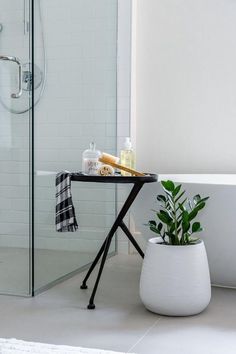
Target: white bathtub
218	219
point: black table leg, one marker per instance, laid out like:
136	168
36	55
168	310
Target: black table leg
91	305
93	265
118	222
131	238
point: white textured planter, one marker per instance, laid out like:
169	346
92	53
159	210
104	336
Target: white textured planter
175	280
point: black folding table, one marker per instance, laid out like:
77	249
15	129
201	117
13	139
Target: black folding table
138	183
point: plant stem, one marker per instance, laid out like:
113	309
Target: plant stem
176	223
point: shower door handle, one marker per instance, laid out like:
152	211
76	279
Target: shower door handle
18	62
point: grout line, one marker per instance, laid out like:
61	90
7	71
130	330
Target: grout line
144	335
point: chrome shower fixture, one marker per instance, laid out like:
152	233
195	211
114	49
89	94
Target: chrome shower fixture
27	77
25	70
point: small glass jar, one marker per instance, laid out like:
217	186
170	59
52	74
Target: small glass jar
90	160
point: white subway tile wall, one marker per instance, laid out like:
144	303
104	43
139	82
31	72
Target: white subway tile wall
78	106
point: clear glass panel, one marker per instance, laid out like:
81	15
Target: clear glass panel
14	149
75	49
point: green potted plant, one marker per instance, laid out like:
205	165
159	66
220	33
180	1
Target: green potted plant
175	278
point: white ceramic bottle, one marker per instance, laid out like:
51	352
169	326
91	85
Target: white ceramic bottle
90	160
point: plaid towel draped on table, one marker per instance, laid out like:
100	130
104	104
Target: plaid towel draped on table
65	211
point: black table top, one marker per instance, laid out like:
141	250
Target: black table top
117	178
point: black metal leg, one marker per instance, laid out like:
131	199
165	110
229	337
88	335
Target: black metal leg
91	305
131	238
135	190
93	265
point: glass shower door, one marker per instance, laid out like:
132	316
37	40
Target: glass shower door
15	147
78	106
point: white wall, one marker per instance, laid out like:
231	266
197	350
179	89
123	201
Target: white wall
185	80
186	84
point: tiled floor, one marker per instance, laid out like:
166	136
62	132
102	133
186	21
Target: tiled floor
49	266
120	322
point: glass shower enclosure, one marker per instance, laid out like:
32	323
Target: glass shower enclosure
58	62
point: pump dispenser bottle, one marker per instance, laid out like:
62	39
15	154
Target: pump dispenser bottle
127	156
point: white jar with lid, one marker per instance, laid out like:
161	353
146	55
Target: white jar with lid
90	160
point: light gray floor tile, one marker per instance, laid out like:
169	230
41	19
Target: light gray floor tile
211	332
60	315
120	322
49	266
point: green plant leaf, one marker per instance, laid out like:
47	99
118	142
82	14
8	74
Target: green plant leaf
152	222
185	226
179	196
170	201
154	229
200	205
168	185
193	240
172	227
193	214
196	226
204	199
190	204
176	190
175	215
170	234
167	214
161	198
182	204
179	222
185	216
182	207
164	212
196	198
164	218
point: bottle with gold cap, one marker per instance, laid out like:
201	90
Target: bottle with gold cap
127	156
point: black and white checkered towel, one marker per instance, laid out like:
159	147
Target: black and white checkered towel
65	211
